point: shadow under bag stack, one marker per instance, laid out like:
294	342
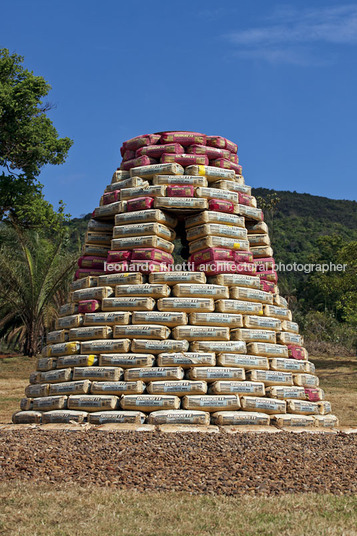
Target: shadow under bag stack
144	340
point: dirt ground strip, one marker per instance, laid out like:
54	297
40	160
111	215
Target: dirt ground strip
229	464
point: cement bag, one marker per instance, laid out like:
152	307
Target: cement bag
178	388
211	216
81	387
216	319
96	293
216	193
211	402
205	333
302	407
27	417
210	152
98	373
180	180
95	225
69	361
91	332
306	380
56	376
143	229
252	213
261	251
147	172
267	405
187	360
218	241
238	347
35	391
181	203
46	363
249	335
111	280
258	240
126	360
291	365
121	417
213	374
291	327
216	141
154	291
179	417
243	418
146	216
280	301
140	204
149	402
184	138
155	151
65	348
250	294
128	304
243	361
212	173
239	388
172	278
211	255
157	346
284	392
151	254
262	322
108	211
216	229
313	393
85	282
84	272
92	402
290	338
153	373
236	280
233	186
97	263
221	205
142	331
269	276
326	421
292	420
93	251
54	337
68	309
88	306
159	317
267	349
136	162
100	238
236	306
186	305
268	286
139	141
132	182
185	159
120	175
143	242
227	164
269	377
324	407
106	319
297	352
105	346
117	388
64	416
200	291
67	322
148	267
49	403
180	190
277	312
26	404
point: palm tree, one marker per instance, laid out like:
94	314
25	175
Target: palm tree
34	280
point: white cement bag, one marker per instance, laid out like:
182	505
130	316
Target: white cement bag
150	374
158	317
98	373
81	387
216	319
186	305
242	418
92	402
105	346
187	360
126	360
237	306
249	362
149	403
117	388
261	404
270	377
179	417
121	417
204	333
211	403
178	387
238	388
172	278
128	304
238	347
213	374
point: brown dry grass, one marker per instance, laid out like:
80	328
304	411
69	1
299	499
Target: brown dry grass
43	510
338	378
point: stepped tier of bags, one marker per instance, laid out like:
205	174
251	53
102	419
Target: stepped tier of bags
143	340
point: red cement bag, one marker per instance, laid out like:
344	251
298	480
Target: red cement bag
117	256
243	199
178	190
147	267
242	256
233	158
267	286
184	138
211	254
136	162
91	262
139	141
139	203
210	152
129	155
226	164
265	264
219	205
151	254
245	268
88	306
268	275
296	352
155	151
111	197
232	147
217	267
312	394
116	267
185	159
216	141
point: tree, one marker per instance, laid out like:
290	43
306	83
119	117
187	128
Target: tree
34	281
28	139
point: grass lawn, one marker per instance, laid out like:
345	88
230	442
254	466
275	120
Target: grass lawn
44	510
338	378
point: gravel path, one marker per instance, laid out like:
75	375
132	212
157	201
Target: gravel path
191	462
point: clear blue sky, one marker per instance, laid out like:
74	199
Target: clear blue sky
280	79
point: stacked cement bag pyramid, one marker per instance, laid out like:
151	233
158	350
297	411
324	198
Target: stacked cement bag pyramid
141	340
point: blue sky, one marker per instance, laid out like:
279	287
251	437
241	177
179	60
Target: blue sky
279	79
